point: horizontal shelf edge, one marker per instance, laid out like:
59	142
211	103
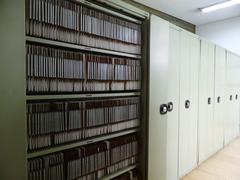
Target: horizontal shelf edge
119	172
75	96
80	143
80	47
89	4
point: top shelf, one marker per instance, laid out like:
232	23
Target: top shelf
79	47
89	4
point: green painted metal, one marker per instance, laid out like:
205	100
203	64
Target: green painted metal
12	90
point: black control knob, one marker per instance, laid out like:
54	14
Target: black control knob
187	104
170	106
163	109
209	100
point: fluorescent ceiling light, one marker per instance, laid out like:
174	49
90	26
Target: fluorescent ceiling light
220	6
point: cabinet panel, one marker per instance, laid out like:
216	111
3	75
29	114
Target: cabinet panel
236	113
228	117
188	116
206	95
233	69
164	78
173	97
203	132
219	100
232	86
210	105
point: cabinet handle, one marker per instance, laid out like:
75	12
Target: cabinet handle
187	104
170	106
163	109
218	99
209	100
230	97
236	97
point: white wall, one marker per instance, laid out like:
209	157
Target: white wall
225	33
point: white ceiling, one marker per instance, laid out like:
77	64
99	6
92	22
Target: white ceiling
188	10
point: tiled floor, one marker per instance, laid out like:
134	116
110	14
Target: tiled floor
224	165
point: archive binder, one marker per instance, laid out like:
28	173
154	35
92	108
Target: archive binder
57	70
72	22
52	123
86	162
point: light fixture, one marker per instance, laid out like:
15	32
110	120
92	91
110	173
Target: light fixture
220	6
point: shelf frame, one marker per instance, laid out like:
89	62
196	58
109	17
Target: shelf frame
80	143
119	172
79	47
89	4
81	96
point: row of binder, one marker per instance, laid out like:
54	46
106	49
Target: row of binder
57	86
51	62
76	17
74	23
90	162
52	70
51	123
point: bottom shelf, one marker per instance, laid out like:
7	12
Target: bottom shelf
119	172
107	159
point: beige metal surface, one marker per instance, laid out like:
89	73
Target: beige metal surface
164	80
206	97
219	100
188	117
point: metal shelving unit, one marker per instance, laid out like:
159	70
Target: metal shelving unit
71	145
13	84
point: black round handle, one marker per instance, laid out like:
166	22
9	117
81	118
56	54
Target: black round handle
170	106
163	109
209	100
187	104
218	99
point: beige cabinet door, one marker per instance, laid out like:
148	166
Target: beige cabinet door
164	78
206	96
219	100
188	108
